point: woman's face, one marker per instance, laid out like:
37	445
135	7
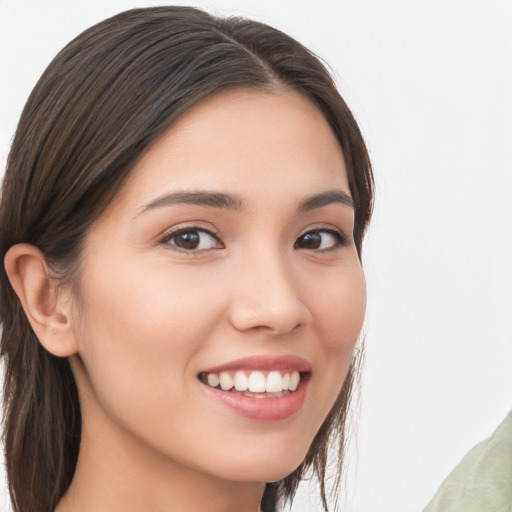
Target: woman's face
225	260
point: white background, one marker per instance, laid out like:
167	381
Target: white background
430	83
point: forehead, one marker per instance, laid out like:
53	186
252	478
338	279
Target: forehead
243	141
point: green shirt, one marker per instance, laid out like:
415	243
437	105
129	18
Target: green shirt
482	482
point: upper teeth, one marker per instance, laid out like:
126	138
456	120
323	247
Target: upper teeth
256	381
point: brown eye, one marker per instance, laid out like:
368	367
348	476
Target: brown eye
187	240
320	240
311	240
193	240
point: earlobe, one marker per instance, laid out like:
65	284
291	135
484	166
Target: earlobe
47	310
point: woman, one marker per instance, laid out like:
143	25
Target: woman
182	218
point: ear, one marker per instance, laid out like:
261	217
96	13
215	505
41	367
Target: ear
47	310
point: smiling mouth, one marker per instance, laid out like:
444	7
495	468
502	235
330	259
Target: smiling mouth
255	383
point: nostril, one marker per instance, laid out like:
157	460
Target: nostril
265	318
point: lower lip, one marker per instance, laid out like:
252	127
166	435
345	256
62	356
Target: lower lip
261	409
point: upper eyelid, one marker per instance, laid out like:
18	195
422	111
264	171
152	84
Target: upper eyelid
172	231
166	237
194	226
326	227
343	239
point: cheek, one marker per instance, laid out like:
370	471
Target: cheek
148	307
140	333
339	309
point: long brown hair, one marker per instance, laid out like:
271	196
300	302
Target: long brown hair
103	100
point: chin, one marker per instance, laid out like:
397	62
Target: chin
266	466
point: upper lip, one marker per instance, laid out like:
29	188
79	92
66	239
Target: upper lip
265	363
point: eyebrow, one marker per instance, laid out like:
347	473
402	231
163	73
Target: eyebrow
199	198
325	198
231	202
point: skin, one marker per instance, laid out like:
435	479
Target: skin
151	315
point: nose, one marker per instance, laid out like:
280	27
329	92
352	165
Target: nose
267	297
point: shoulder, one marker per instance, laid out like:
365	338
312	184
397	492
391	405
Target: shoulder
483	479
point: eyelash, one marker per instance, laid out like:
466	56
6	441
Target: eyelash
339	237
166	239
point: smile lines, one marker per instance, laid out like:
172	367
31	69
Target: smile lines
254	382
